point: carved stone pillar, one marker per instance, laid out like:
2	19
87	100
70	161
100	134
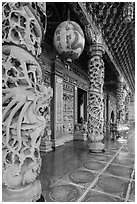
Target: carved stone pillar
127	102
95	95
25	100
126	109
121	101
131	108
108	107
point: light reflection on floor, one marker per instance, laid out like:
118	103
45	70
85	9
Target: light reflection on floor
72	173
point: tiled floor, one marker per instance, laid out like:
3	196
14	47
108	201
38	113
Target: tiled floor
73	174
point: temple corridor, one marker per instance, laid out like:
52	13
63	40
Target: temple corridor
72	174
68	101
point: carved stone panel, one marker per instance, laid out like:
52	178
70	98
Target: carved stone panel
58	107
76	104
68	108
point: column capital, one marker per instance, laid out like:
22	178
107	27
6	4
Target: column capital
96	49
121	82
121	79
92	35
96	46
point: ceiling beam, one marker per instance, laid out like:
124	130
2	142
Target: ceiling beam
96	30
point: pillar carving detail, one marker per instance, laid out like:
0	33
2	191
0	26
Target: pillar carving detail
95	97
127	102
121	102
25	100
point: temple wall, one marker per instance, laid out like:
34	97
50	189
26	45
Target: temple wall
65	82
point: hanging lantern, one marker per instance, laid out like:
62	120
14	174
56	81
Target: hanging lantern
69	40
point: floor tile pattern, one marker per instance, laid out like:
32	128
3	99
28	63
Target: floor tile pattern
72	174
81	176
67	193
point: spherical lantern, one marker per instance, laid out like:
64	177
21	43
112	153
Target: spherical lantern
69	40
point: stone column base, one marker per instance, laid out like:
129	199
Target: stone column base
96	147
68	137
108	127
80	136
57	142
29	193
46	146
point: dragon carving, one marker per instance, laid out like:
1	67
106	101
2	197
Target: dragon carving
95	108
25	99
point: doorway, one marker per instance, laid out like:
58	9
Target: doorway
112	117
82	105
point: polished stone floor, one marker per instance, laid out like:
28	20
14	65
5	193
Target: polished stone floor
72	174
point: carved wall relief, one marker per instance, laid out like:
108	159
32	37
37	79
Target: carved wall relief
68	108
59	107
46	142
25	99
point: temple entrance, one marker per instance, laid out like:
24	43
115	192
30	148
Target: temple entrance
112	117
82	105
